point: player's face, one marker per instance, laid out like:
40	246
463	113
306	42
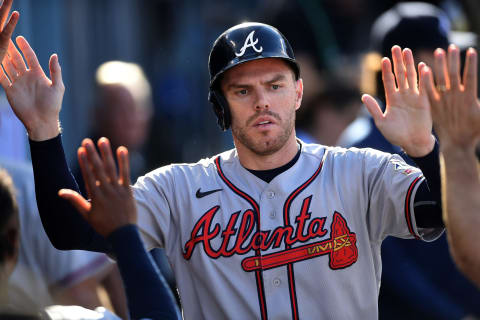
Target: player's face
263	96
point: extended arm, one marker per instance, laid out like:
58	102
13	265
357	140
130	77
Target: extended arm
456	115
428	200
147	291
112	213
461	186
37	100
407	123
64	226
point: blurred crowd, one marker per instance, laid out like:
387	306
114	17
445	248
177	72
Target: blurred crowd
136	72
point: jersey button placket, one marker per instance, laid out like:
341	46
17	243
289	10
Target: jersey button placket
276	282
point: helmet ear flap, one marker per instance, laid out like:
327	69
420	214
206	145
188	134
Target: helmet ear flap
220	108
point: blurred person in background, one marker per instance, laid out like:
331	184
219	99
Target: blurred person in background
123	110
423	281
327	115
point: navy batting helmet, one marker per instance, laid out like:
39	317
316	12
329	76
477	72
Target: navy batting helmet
242	43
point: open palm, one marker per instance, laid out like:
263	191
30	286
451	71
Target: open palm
112	204
454	102
35	99
406	121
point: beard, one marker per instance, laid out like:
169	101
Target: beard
268	146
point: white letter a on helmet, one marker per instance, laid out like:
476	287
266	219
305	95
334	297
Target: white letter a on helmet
249	43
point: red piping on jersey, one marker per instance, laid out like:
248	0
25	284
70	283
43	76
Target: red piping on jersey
256	210
408	216
286	218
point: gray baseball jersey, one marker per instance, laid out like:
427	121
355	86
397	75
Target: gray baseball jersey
306	245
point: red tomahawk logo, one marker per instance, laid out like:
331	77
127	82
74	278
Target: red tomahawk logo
341	249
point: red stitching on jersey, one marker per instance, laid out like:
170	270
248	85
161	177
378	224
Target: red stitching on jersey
293	294
235	189
408	216
286	214
256	209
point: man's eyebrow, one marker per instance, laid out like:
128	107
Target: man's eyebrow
237	86
276	78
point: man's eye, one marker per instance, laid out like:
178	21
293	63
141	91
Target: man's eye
242	92
275	86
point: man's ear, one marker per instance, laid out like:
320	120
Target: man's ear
299	93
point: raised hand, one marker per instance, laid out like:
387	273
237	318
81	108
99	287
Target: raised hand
454	103
456	118
112	204
6	30
35	99
406	121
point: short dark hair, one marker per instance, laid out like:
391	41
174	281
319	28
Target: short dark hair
8	211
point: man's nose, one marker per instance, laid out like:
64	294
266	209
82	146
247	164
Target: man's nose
262	101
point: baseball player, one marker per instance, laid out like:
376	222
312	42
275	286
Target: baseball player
273	229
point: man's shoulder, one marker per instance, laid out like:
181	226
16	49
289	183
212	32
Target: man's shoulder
200	165
319	150
203	166
338	153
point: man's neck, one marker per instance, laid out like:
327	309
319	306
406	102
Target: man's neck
253	161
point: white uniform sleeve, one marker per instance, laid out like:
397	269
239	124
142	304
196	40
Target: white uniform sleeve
40	266
63	269
60	269
151	193
392	185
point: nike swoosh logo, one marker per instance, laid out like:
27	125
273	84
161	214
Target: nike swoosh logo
201	194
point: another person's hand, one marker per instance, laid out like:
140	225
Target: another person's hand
35	99
454	103
6	30
112	204
406	121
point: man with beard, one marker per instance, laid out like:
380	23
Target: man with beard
274	228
